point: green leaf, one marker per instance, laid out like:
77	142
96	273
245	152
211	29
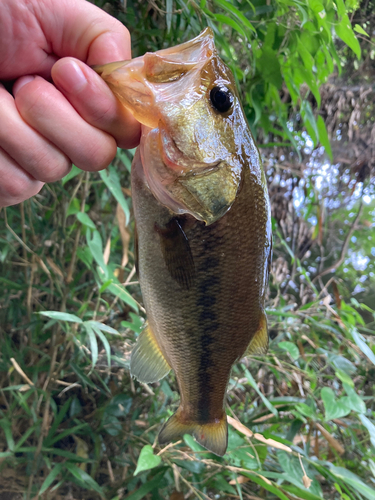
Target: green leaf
222	485
194	466
11	285
309	77
341	9
358	339
67	432
25	436
85	220
323	136
73	172
310	122
345	32
354	401
306	410
301	493
103	327
83	376
85	256
50	478
354	481
291	348
82	476
112	181
96	247
74	207
191	442
146	488
147	460
369	426
360	30
272	488
344	377
254	385
7	428
168	14
269	67
61	316
229	7
105	343
294	473
105	285
58	452
93	344
306	57
333	408
222	18
119	291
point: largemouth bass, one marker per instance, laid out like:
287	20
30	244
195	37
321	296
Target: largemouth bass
203	229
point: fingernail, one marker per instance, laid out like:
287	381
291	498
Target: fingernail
70	77
21	82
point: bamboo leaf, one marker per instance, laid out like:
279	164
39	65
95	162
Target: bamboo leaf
112	181
50	478
61	316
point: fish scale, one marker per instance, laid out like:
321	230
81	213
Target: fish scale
203	223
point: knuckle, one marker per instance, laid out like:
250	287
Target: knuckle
50	168
17	189
98	156
32	100
102	113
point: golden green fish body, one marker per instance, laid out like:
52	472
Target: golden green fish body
204	238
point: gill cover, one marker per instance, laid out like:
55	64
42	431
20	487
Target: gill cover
190	147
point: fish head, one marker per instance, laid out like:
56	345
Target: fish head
195	138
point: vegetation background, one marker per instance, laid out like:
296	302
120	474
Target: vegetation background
72	422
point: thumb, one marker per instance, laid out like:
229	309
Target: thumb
95	102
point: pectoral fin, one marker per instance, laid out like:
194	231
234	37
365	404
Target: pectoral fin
259	343
147	362
177	253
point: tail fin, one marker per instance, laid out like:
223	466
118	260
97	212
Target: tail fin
213	435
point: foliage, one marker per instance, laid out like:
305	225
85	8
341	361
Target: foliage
72	420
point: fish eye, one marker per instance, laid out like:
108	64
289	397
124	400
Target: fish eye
221	99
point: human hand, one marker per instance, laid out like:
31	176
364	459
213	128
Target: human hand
45	128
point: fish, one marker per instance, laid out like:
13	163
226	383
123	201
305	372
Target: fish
203	230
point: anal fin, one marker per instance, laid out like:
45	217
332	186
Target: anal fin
147	362
259	343
212	435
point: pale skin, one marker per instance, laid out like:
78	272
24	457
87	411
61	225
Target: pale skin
61	112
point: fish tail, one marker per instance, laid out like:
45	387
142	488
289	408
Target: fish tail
212	435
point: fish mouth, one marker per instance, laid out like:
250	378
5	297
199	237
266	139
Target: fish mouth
181	165
186	185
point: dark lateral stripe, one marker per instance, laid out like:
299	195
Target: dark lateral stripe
208	324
